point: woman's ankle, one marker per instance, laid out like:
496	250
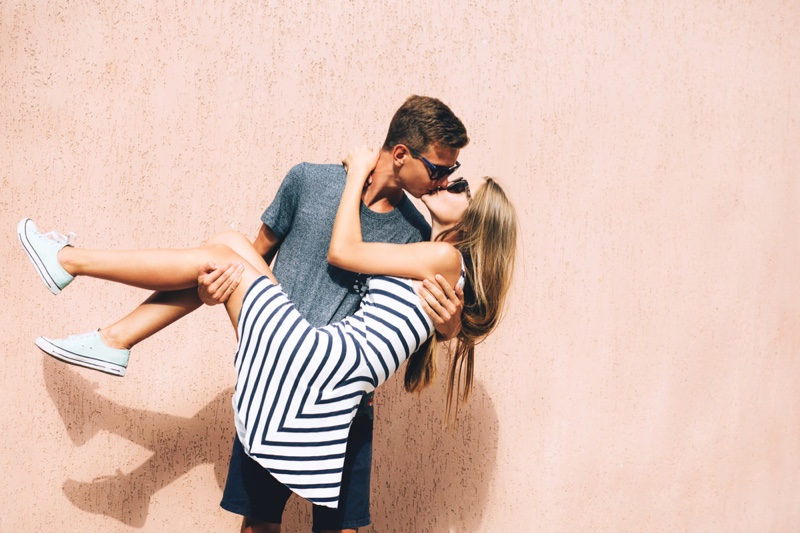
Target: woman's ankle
66	257
114	339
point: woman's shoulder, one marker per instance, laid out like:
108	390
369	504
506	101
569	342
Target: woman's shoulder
445	258
445	251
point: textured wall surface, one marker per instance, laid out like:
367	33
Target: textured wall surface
646	375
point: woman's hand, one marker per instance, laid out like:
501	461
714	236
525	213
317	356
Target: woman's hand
360	163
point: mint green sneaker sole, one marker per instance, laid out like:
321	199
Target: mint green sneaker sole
79	360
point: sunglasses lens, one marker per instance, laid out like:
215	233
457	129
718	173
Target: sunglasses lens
458	187
437	172
442	172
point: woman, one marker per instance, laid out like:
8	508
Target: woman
298	386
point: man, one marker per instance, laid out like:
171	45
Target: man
420	152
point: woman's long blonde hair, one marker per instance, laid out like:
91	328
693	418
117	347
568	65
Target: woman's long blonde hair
487	238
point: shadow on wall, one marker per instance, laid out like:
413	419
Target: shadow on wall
424	477
178	444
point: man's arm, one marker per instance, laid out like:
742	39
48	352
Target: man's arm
444	305
266	243
216	283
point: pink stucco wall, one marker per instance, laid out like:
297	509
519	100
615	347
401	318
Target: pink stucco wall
646	375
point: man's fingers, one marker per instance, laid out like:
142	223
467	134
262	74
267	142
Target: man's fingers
216	280
210	273
440	298
208	267
431	313
455	297
433	307
233	280
448	290
444	305
460	294
227	281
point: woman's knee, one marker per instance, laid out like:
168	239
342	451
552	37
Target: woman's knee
240	244
231	239
218	252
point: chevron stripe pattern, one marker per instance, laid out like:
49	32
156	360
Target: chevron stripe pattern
298	387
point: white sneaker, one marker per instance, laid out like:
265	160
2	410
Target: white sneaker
87	350
43	250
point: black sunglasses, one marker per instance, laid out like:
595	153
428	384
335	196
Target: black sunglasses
436	172
458	186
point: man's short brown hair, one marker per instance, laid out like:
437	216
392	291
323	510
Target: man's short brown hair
423	121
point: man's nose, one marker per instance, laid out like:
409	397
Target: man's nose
441	183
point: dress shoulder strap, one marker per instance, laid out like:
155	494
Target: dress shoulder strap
462	280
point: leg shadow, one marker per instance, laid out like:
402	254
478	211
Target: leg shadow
178	444
426	478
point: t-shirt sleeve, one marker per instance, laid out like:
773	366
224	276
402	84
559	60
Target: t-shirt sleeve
279	215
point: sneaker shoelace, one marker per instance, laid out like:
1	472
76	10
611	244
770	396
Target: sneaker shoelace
58	237
81	336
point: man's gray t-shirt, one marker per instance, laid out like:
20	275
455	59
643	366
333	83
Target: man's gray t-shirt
302	215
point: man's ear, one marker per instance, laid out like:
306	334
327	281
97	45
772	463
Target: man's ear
399	154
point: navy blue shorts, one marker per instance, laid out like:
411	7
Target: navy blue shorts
251	491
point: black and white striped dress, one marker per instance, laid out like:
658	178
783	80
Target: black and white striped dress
298	387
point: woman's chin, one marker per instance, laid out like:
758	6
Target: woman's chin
427	196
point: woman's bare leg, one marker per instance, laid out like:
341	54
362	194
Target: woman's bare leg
151	316
160	269
166	270
154	314
242	246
